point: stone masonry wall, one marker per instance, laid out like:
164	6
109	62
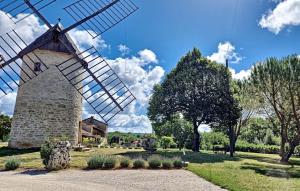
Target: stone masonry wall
47	106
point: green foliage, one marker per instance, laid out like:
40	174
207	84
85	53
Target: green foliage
297	151
259	130
150	142
139	163
167	164
198	89
125	162
154	162
166	142
257	148
5	125
270	139
209	139
46	150
96	162
277	83
12	164
177	127
125	137
110	162
177	163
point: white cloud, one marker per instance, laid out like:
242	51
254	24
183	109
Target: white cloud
286	13
123	49
243	74
225	51
148	56
83	39
7	103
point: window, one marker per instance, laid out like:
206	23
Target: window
37	67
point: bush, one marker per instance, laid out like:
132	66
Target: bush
209	139
297	151
125	162
96	162
177	163
150	143
12	164
139	163
256	148
46	150
109	162
166	142
154	162
167	164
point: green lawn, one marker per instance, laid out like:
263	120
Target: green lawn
246	171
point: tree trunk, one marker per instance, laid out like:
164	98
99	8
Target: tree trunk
232	141
196	140
287	155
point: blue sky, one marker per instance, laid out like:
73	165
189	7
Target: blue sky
162	31
170	28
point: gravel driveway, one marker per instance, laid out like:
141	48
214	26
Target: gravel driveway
119	180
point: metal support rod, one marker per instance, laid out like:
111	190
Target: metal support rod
89	17
38	13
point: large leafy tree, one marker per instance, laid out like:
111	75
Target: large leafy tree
198	89
5	125
277	83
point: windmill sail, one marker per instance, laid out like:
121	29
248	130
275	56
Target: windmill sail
98	16
98	84
18	10
16	69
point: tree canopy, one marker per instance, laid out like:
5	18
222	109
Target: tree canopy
198	89
277	82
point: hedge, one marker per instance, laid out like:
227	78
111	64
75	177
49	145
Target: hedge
257	148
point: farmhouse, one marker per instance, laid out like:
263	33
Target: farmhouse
92	128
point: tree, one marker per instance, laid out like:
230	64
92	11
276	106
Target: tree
240	110
195	89
176	127
5	125
166	142
277	83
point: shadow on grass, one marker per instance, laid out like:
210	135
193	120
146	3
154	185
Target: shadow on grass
34	172
268	159
202	157
5	151
273	171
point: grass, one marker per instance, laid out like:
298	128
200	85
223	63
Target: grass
246	171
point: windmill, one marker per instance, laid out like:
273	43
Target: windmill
52	75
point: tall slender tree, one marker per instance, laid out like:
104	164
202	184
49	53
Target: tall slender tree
277	83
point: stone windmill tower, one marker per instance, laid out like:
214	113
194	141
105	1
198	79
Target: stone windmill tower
53	76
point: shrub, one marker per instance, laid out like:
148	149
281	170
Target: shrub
96	162
150	143
167	164
139	163
209	139
109	162
125	162
46	150
177	163
297	151
166	142
257	148
154	162
12	164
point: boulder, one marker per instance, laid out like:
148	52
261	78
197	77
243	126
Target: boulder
60	156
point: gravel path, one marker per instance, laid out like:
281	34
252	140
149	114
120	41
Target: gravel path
119	180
